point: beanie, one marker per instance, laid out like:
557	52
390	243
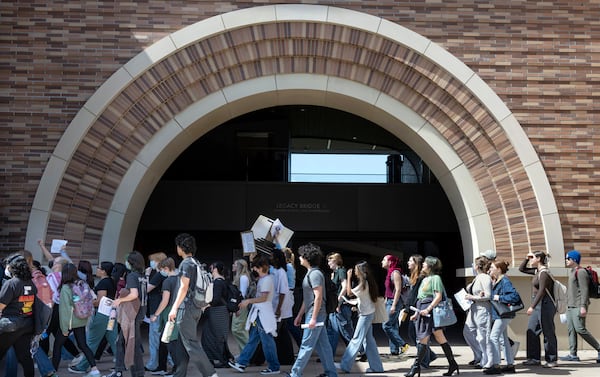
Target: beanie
574	255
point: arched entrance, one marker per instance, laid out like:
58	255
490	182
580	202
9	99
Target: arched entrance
116	148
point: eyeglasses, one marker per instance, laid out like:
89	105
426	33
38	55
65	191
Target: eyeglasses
567	258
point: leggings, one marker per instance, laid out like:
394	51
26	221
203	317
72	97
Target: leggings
60	339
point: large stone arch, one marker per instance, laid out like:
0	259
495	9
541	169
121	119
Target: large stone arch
107	163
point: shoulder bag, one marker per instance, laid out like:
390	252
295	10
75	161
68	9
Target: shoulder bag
443	313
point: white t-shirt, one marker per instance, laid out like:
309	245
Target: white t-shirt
282	287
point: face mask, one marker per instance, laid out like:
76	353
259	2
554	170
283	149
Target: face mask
153	265
7	272
164	273
128	265
81	275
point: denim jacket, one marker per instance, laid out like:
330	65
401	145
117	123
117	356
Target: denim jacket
508	295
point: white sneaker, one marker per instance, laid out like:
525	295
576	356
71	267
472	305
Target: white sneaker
76	360
93	373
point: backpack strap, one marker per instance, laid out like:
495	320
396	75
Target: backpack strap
553	282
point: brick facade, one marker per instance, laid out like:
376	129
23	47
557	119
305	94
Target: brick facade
540	58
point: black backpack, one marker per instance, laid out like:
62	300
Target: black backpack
233	297
331	295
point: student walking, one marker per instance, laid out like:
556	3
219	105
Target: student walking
393	304
313	305
366	293
261	321
430	295
578	300
186	315
541	312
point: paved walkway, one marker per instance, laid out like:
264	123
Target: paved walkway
396	367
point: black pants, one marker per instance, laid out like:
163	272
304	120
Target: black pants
541	321
21	341
54	328
60	339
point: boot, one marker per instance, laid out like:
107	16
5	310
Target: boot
452	365
416	367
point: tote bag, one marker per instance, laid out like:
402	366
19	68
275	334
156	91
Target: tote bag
381	314
504	310
443	313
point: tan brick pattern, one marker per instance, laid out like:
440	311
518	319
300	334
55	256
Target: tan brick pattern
541	58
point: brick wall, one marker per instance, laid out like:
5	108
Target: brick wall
540	58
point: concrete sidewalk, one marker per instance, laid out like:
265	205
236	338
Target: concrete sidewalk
397	366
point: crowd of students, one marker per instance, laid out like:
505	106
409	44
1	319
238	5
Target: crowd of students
274	311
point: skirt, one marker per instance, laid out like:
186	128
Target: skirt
424	325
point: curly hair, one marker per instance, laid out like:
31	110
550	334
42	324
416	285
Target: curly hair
18	266
312	253
186	242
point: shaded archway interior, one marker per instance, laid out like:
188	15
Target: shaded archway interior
192	73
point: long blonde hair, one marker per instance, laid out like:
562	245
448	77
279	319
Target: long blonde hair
242	269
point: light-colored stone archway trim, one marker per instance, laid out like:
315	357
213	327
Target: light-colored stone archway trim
267	14
195	121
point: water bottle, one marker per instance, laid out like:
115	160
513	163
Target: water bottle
112	319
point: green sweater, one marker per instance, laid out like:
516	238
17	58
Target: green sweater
67	320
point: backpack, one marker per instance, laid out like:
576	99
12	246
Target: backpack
83	299
331	296
233	297
593	287
44	291
203	283
559	296
405	290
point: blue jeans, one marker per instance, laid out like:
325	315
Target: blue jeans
340	323
43	362
153	344
258	334
11	363
498	334
314	339
363	334
391	327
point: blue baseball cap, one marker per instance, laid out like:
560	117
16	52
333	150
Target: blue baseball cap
574	255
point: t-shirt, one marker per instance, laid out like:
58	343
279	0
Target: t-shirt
171	284
339	275
18	296
155	295
316	280
187	268
429	285
106	284
138	281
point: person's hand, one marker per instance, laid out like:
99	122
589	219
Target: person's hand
392	309
582	312
153	318
243	304
40	242
172	315
530	311
312	323
116	303
413	317
298	321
